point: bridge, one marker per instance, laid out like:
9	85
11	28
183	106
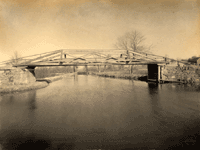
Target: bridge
91	57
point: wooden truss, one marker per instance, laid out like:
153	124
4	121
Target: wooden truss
73	57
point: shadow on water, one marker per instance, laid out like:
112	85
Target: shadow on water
20	141
143	78
16	137
189	135
190	138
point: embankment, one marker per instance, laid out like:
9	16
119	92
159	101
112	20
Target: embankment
16	80
22	87
55	78
188	74
140	77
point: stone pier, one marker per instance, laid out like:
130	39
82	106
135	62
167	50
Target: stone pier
153	72
15	76
173	73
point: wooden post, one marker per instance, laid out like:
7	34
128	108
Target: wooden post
98	68
128	54
161	73
147	72
158	73
86	69
129	69
61	54
104	68
74	69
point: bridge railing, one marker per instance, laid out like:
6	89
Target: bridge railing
101	55
28	59
159	58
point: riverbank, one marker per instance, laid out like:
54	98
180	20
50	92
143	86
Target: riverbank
55	78
185	75
40	83
140	77
23	87
189	74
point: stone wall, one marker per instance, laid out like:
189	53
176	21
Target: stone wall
15	76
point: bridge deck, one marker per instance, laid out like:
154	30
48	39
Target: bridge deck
89	57
86	64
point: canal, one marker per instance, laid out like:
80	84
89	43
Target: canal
89	112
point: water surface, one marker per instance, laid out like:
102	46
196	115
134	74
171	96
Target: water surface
89	112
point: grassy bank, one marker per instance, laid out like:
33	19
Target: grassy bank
141	77
187	74
138	72
40	83
55	78
44	72
22	87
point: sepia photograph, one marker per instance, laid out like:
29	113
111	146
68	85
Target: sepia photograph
99	74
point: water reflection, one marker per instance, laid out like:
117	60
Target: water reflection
97	112
17	110
20	141
156	113
75	78
32	100
178	134
11	98
153	88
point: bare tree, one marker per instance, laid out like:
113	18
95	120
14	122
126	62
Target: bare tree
15	58
134	41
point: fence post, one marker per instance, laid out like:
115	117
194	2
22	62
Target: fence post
61	54
131	69
158	73
104	68
86	69
74	69
98	68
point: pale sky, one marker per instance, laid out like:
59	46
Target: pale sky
32	27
